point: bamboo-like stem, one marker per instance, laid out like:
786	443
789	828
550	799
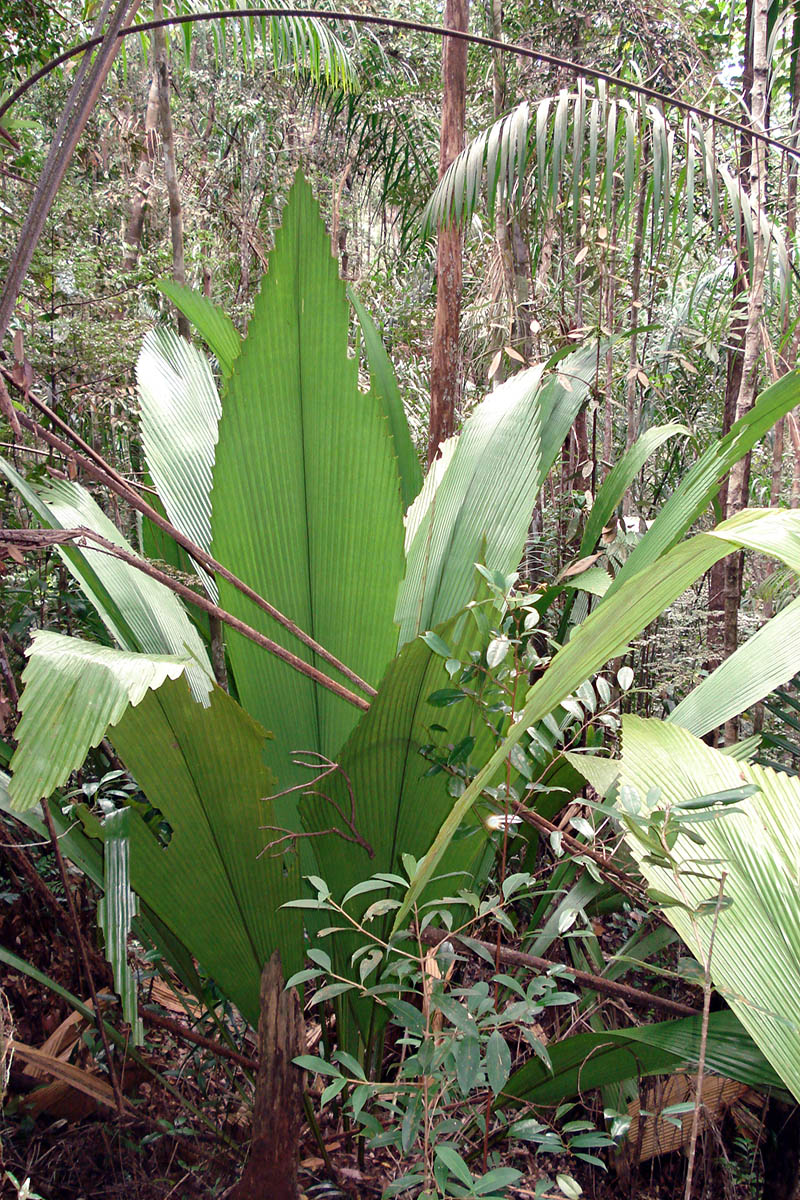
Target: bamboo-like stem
632	380
445	351
739	479
170	170
84	955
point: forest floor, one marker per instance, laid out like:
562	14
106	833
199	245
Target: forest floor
69	1146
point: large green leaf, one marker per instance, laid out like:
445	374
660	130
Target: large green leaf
480	510
700	485
384	384
180	412
397	802
564	391
156	616
766	660
415	514
211	322
203	769
91	585
73	692
139	613
619	479
587	1061
306	503
755	962
605	634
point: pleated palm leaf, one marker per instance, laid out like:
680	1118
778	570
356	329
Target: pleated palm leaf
754	839
588	154
311	478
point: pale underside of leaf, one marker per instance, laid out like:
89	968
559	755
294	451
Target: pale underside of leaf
139	613
606	633
180	412
73	692
755	962
769	658
480	510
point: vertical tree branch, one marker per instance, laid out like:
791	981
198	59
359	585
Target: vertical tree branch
445	358
80	103
739	480
170	170
632	378
143	180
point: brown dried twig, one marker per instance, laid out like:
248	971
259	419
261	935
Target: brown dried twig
597	983
37	539
329	767
95	466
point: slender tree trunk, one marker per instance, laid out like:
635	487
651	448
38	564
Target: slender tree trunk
794	434
632	379
607	325
739	481
502	233
511	242
170	170
788	358
445	359
86	87
723	575
143	181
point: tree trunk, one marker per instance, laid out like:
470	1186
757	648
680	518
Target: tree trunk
86	87
271	1171
445	359
607	321
715	629
143	181
170	171
722	577
632	379
739	481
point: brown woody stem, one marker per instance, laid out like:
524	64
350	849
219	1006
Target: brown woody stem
37	538
597	983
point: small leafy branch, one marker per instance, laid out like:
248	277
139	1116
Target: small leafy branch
447	1093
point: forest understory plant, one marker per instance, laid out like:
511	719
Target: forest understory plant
477	694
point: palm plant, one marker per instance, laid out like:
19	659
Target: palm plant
305	503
